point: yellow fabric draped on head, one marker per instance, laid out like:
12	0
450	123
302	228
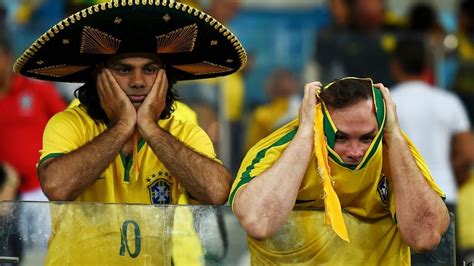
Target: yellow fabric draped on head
332	205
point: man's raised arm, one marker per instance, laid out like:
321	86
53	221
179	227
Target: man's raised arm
264	204
422	215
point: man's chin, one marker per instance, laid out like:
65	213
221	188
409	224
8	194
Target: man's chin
352	163
137	105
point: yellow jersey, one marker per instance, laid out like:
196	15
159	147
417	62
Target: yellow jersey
265	119
365	193
72	128
123	234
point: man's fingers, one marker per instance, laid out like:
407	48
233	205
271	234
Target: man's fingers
111	83
315	84
385	91
310	91
160	86
101	87
163	83
156	84
381	87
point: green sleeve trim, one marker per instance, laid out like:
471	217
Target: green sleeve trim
246	177
49	156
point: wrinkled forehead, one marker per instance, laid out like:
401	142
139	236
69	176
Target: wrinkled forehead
360	114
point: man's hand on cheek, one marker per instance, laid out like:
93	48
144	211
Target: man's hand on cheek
154	103
114	101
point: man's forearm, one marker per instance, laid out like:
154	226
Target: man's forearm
205	179
68	176
264	204
421	214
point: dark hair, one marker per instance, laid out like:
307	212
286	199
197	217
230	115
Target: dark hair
422	17
466	7
88	96
411	55
3	175
345	92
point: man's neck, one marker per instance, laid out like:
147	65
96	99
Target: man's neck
408	78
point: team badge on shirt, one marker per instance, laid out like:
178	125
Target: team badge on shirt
160	191
384	190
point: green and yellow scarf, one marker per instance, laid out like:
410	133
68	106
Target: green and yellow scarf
325	133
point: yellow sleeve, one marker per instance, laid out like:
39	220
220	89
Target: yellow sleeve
262	156
63	133
196	139
184	112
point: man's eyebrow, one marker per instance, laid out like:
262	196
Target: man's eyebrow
372	133
153	63
113	64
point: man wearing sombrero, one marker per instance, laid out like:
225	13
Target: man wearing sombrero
121	145
347	157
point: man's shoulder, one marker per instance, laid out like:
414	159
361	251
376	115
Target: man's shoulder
277	140
76	114
175	125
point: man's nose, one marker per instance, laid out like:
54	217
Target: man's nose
356	151
137	80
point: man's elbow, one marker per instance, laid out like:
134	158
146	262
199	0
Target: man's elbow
218	195
258	229
426	243
428	239
55	192
220	199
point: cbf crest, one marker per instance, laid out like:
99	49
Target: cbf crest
160	191
384	190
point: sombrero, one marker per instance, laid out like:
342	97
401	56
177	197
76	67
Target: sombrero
190	42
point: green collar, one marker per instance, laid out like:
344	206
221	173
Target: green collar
330	131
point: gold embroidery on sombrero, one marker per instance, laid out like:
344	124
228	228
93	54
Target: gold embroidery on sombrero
58	71
178	41
203	68
95	41
98	44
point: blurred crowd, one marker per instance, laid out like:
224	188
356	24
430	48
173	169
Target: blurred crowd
362	38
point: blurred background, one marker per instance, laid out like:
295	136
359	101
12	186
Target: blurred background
289	43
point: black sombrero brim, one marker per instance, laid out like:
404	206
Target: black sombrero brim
190	42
